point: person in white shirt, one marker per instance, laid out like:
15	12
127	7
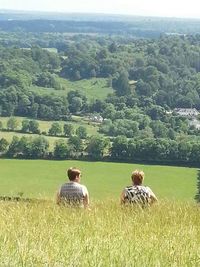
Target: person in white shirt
73	193
137	193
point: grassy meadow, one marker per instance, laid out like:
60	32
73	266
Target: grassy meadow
41	178
9	136
95	88
44	126
41	233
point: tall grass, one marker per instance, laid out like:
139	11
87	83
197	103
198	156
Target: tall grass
43	234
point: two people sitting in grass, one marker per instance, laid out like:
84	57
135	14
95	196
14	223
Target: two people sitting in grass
137	193
73	193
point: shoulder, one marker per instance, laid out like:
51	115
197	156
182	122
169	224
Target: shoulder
64	185
147	188
84	188
129	187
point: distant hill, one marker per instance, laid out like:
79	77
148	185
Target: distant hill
95	23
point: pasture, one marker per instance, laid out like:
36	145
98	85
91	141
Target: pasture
9	136
94	88
41	178
44	234
44	126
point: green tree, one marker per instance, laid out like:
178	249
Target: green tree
3	145
97	147
14	148
34	110
68	129
40	147
25	126
119	149
81	132
159	129
76	104
25	147
34	126
121	84
12	123
55	129
61	150
75	143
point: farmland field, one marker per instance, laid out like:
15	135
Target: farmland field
92	127
41	178
51	139
44	126
95	88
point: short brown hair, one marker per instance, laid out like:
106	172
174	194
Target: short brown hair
72	173
137	177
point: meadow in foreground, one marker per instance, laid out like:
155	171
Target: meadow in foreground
43	234
42	178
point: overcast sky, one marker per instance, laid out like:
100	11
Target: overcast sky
168	8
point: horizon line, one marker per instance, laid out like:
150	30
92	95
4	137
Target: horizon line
7	10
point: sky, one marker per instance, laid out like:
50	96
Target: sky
160	8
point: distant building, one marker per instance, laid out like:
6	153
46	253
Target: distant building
195	123
187	112
96	118
191	114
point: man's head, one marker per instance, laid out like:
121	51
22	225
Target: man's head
74	174
137	177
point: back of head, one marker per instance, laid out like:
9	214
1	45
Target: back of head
72	173
137	177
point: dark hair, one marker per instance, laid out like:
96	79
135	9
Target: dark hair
72	173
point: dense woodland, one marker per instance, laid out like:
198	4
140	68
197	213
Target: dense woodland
150	77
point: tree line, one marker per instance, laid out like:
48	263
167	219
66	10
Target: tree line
99	148
32	127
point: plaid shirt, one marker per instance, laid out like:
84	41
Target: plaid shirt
73	193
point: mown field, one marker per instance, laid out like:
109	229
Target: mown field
95	88
9	136
41	178
44	126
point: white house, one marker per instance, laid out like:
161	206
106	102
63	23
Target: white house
187	112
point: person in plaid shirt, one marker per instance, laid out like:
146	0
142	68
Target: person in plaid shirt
73	193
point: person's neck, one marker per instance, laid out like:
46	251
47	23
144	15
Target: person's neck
75	181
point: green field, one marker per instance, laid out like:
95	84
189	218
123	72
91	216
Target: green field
41	178
92	127
41	233
95	88
51	139
44	126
